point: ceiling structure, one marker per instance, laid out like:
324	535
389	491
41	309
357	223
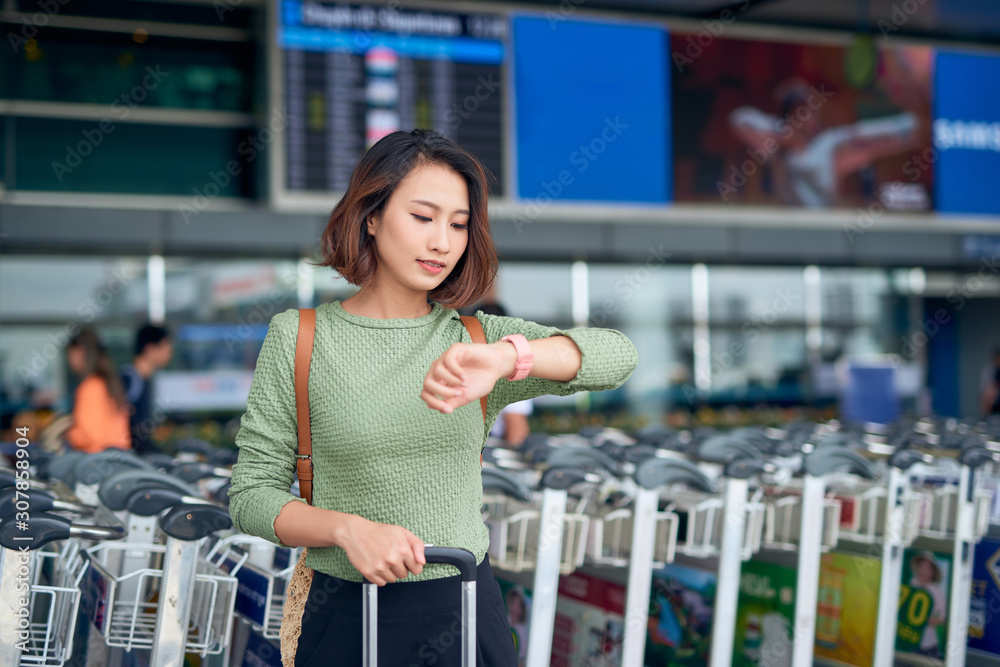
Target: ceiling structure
943	20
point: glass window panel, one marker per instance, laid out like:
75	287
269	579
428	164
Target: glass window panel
220	310
737	295
539	292
652	306
91	67
130	158
853	296
73	289
772	359
330	285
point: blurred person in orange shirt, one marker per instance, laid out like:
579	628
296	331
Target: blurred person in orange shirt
100	408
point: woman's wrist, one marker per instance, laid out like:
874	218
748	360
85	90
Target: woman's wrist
341	526
508	356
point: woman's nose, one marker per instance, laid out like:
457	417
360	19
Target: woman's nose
439	238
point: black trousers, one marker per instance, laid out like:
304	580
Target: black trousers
419	623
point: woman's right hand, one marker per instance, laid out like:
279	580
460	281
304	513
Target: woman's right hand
382	553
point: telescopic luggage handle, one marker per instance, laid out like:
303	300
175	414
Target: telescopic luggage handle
461	559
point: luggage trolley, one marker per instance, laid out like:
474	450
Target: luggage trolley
971	521
129	609
899	508
38	615
957	513
742	525
263	571
714	525
650	475
818	529
92	469
532	530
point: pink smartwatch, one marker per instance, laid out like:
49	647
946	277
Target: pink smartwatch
525	357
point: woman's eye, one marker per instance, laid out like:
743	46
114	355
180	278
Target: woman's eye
458	225
421	218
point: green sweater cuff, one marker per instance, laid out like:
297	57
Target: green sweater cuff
608	359
259	520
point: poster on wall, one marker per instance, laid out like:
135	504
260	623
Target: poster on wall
765	615
517	600
803	125
680	617
847	608
984	606
923	604
589	623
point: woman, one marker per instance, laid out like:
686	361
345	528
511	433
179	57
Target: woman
100	409
394	392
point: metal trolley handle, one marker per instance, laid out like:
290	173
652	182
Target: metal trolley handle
116	489
95	468
653	473
505	483
41	528
461	559
41	501
825	460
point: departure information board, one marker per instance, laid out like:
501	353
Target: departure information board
355	73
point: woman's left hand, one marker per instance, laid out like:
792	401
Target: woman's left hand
466	372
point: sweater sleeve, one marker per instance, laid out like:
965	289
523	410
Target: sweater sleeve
608	360
268	438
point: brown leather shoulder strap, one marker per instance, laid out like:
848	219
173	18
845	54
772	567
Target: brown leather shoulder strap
476	332
303	358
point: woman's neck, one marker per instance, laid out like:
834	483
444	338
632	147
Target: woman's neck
387	305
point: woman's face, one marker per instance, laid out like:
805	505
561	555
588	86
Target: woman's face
76	359
423	230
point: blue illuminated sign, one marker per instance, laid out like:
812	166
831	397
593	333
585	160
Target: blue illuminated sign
592	111
966	133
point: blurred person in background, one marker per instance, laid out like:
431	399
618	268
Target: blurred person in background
153	350
990	386
811	162
511	425
100	409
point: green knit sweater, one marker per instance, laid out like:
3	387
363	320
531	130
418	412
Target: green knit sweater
378	450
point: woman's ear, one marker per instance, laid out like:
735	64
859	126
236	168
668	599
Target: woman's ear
372	224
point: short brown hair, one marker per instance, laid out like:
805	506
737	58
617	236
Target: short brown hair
350	249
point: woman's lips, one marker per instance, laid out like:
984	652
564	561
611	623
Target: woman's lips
430	268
